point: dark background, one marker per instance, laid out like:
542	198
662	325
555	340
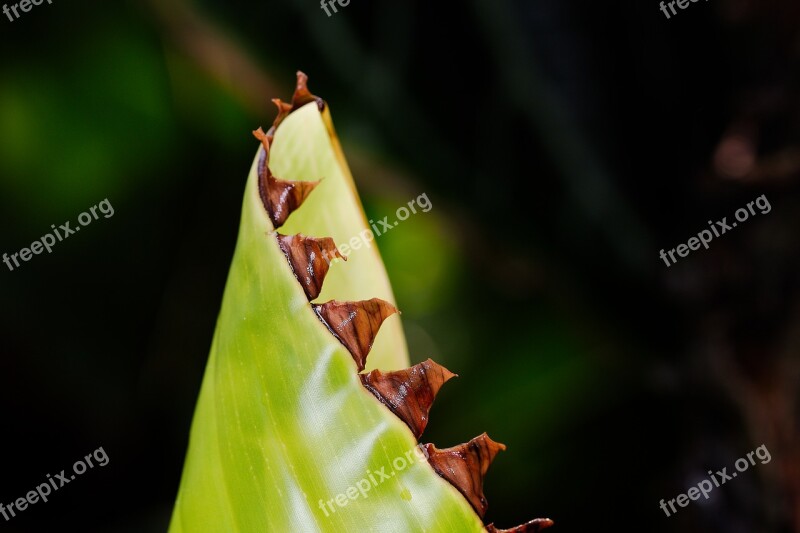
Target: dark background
562	143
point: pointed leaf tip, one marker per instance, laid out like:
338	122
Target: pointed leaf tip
465	466
410	392
281	197
533	526
310	259
355	324
302	95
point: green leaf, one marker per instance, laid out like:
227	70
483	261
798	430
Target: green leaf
283	424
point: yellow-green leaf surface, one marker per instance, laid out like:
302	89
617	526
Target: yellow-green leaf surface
283	421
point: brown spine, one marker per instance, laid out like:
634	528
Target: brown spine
280	197
310	259
465	466
533	526
409	393
355	324
302	95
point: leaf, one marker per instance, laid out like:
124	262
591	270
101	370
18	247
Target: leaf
283	424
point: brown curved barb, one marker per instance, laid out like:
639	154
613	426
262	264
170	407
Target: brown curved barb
531	527
465	466
284	110
409	393
355	324
308	258
280	197
302	95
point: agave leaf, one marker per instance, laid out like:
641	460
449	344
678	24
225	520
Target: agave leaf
283	421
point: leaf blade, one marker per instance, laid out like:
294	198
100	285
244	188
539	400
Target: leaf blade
283	422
